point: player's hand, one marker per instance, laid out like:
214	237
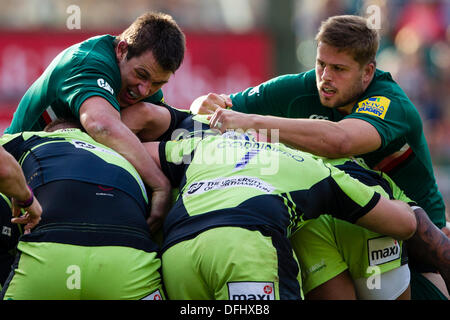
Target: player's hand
160	207
30	217
209	103
446	230
225	119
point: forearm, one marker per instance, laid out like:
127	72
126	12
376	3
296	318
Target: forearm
147	121
393	218
118	137
12	180
320	137
430	246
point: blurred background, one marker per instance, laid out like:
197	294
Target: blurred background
234	44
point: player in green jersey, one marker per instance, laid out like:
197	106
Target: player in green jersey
94	80
93	241
363	112
187	125
227	233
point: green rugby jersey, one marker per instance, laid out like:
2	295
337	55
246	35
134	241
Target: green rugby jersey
237	181
404	153
79	72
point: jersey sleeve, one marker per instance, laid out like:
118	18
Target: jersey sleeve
83	85
354	198
397	192
339	195
156	98
392	118
175	157
269	98
177	118
13	143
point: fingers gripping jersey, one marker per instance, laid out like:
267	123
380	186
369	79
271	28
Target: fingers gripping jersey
242	182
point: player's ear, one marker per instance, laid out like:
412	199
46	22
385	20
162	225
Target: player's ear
121	50
368	72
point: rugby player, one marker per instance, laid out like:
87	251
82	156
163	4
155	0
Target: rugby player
362	112
94	80
14	191
330	285
227	235
93	241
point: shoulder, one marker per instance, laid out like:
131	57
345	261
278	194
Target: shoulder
96	54
285	88
385	96
304	82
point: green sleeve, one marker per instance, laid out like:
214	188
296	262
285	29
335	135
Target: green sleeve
156	98
392	118
398	193
349	199
273	97
13	144
83	85
175	156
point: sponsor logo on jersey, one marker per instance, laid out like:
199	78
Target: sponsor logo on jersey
88	146
245	159
253	91
251	291
316	267
383	250
375	106
228	182
317	116
156	295
256	145
105	85
6	231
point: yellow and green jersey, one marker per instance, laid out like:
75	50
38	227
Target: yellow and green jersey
234	180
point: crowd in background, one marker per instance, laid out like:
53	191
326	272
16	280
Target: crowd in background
415	41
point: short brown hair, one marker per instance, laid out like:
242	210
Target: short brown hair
351	34
159	33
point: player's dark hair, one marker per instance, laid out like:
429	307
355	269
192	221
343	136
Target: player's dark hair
351	34
158	33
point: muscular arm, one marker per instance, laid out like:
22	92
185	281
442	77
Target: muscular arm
429	245
394	218
102	122
13	184
12	180
146	120
321	137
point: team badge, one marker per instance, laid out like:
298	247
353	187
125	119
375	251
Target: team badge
375	106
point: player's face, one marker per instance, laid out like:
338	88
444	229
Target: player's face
141	77
340	79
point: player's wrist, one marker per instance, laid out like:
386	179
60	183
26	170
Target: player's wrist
28	201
